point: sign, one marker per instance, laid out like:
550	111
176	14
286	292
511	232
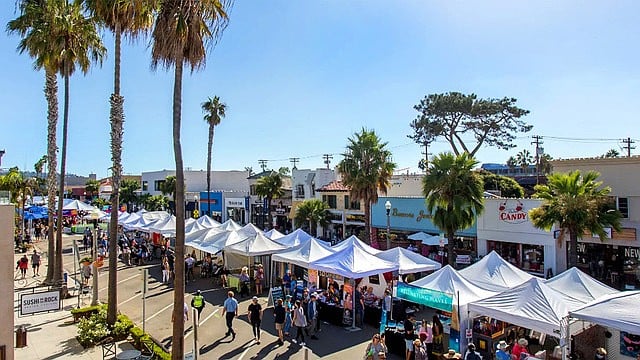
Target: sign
463	259
275	293
234	202
512	212
313	276
246	203
432	298
39	302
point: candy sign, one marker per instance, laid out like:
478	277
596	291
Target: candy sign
512	212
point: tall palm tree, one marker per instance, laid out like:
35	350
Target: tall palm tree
182	30
454	195
270	187
577	203
366	169
313	212
34	25
214	112
78	46
130	18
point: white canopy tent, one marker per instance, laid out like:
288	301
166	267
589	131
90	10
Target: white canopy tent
77	205
130	219
294	238
532	304
494	273
146	219
193	226
427	239
408	261
353	241
303	254
249	230
274	234
165	227
618	310
353	262
580	286
230	225
96	214
256	245
212	240
207	221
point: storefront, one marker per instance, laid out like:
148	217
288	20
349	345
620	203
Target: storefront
234	209
409	215
505	227
213	201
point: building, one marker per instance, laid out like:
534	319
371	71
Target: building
278	214
346	216
405	185
7	212
505	227
620	254
304	183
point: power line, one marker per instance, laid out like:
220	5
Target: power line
263	164
294	161
327	159
628	146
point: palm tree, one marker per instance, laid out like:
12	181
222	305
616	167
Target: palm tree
39	168
129	18
182	30
366	169
34	25
270	187
545	163
313	212
578	204
92	187
612	153
454	195
524	159
128	190
78	46
20	188
214	112
512	163
168	187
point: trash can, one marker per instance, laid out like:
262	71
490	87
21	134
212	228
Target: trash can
21	336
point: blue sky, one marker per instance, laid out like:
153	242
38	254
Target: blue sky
300	77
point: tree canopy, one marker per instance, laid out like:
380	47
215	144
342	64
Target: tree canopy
508	186
467	122
312	212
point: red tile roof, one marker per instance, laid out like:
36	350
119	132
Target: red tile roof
335	185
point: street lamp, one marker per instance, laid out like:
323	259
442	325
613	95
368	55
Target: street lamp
387	206
197	205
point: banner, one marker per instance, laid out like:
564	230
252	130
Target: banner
39	302
431	298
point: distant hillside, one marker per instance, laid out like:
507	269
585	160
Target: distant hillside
69	179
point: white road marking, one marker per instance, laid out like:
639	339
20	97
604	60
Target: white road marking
121	281
203	321
163	309
131	298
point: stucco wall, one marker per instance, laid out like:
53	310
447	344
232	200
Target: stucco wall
6	277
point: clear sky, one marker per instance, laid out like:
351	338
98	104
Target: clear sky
300	77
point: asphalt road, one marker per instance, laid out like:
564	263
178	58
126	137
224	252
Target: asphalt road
333	343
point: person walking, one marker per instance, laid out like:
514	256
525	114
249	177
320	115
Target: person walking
197	302
165	270
312	317
35	263
288	308
280	314
300	322
230	310
23	265
255	318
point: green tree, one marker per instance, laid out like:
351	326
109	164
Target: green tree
454	195
155	202
34	24
512	163
168	186
270	187
182	30
129	18
507	186
524	159
284	171
577	203
612	153
39	168
79	46
545	164
20	188
128	189
214	111
366	168
456	117
312	212
92	187
99	202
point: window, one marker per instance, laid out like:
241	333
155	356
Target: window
299	191
157	185
330	200
145	186
623	207
346	202
354	205
252	190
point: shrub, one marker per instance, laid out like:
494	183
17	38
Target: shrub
93	329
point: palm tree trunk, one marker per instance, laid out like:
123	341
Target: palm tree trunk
57	274
451	246
117	124
51	93
177	343
573	248
210	148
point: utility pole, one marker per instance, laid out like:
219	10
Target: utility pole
426	156
627	145
263	164
1	154
537	140
294	161
327	159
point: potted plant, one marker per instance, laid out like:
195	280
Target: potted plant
86	261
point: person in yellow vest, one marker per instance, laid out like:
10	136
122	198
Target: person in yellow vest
198	303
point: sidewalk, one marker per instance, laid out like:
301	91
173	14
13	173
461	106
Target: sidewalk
52	335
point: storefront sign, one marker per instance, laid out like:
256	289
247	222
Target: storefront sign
463	259
512	212
432	298
421	215
633	253
234	202
39	302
